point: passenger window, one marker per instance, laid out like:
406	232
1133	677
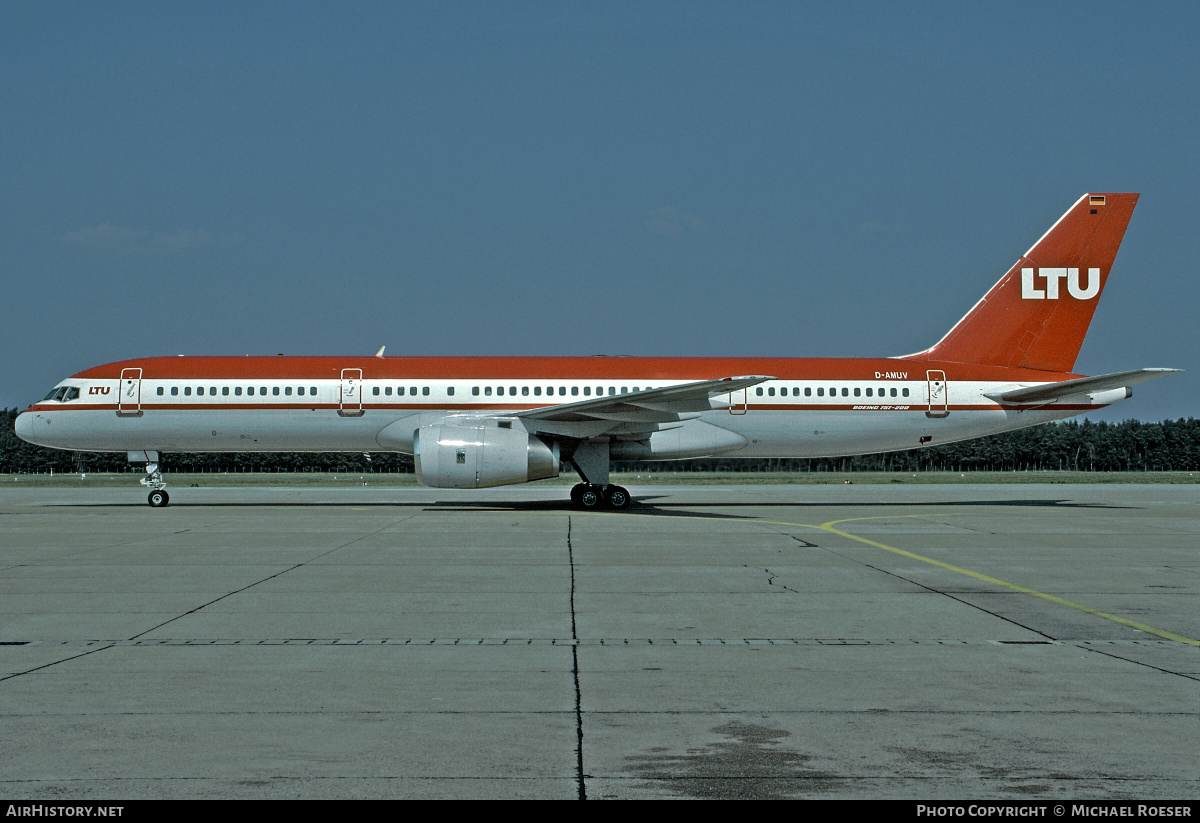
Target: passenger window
224	391
904	392
524	391
857	392
275	390
574	391
474	391
562	390
612	390
845	392
450	390
599	390
771	392
262	390
412	391
587	391
212	391
287	391
537	391
869	391
820	392
624	390
237	390
187	391
160	391
425	391
758	391
512	391
487	390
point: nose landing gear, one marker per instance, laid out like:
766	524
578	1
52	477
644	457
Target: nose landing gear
158	496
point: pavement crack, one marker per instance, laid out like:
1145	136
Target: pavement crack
579	774
772	577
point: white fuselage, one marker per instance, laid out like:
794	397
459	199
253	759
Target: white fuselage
818	417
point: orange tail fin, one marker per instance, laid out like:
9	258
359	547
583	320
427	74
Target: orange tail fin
1038	314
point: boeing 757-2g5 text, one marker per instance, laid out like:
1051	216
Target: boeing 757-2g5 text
473	422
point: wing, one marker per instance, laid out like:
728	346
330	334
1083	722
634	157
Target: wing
1082	385
635	411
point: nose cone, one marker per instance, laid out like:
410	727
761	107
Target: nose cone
24	426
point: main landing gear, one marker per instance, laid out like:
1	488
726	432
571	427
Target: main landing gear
588	496
158	496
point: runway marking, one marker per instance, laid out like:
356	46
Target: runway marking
829	527
1124	621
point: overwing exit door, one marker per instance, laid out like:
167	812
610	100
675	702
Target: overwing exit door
737	402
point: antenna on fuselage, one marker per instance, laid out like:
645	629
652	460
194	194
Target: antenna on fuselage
380	352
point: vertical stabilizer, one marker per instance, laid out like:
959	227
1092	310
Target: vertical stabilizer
1038	314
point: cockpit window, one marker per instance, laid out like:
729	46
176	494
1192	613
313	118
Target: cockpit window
63	393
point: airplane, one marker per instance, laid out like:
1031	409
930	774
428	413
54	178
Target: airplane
476	422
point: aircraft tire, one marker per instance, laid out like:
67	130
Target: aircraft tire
617	498
158	498
590	498
577	493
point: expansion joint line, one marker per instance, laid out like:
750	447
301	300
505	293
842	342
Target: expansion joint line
265	579
579	775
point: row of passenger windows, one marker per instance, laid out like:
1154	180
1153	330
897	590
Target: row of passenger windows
551	391
412	391
511	391
286	391
833	392
71	393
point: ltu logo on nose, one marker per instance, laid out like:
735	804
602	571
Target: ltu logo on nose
1030	290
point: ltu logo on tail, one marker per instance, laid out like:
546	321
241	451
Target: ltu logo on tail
1030	290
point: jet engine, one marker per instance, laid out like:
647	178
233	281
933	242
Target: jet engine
470	457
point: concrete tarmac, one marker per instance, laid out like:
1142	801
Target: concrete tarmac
926	642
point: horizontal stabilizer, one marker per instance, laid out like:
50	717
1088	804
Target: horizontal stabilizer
1084	385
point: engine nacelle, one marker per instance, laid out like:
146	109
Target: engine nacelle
462	457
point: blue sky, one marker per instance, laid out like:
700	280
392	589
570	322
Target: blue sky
777	179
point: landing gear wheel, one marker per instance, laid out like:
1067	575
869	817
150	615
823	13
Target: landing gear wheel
590	498
616	497
576	493
158	498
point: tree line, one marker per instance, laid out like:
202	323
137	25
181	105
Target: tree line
1172	445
